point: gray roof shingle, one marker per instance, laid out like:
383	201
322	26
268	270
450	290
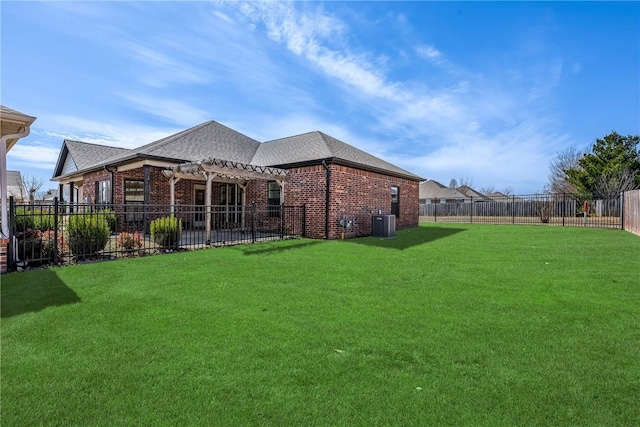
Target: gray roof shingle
85	154
214	140
314	146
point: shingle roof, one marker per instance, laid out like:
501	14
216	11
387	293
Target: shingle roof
471	192
14	184
214	140
85	154
433	189
209	139
314	146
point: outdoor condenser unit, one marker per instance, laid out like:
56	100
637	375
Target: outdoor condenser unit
383	226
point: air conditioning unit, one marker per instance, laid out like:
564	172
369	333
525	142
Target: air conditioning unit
383	226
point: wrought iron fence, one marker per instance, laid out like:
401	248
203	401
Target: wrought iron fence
545	209
58	233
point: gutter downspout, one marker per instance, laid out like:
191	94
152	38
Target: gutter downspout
327	174
3	175
113	184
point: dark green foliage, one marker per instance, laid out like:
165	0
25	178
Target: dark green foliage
110	216
33	218
614	162
166	231
87	234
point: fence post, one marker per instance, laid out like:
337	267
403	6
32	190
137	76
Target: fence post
12	229
471	211
435	211
513	210
56	206
622	210
304	220
254	212
281	220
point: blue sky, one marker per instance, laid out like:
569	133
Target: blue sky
488	91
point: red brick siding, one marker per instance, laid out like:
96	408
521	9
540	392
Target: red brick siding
306	186
4	247
355	195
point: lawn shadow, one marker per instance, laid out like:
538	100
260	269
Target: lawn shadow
32	292
264	248
408	237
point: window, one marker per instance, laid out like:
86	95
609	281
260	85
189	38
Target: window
395	201
273	199
103	192
134	198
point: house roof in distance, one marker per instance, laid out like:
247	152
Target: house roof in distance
432	189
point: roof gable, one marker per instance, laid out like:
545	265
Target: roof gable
78	155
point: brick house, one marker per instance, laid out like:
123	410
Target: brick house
210	164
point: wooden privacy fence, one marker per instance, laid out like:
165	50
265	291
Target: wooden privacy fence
631	214
551	209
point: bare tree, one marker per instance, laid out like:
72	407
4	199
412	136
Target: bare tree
564	161
453	183
488	190
465	181
608	186
507	191
31	185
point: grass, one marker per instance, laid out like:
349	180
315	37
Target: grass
442	325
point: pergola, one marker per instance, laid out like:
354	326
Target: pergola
225	171
13	126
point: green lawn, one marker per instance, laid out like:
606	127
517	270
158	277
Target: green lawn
442	325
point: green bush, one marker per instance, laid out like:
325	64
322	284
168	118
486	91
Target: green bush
166	231
33	218
87	234
110	216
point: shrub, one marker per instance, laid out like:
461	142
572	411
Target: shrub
88	234
544	210
33	218
110	216
129	241
166	231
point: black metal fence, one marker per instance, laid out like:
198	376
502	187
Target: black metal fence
58	233
545	209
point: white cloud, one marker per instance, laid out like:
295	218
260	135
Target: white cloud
171	110
34	155
429	52
222	16
108	131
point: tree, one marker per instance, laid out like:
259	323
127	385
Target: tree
31	185
465	181
507	191
453	183
614	161
488	190
564	161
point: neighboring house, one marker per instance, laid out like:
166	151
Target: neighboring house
50	195
211	164
13	126
473	194
15	187
433	192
